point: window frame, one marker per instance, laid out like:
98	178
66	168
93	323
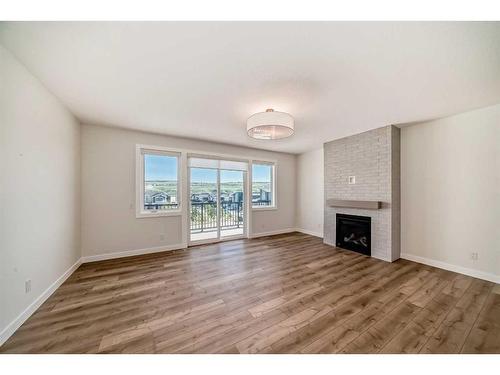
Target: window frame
274	201
141	150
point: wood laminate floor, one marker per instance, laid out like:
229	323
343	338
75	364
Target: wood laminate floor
282	294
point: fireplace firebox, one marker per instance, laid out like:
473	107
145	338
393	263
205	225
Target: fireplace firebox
354	233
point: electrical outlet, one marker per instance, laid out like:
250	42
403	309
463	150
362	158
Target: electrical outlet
474	256
352	180
162	237
27	286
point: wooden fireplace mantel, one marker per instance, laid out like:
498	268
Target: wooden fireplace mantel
369	205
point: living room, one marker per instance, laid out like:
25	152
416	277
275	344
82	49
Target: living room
250	187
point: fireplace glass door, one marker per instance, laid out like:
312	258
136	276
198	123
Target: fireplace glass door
354	233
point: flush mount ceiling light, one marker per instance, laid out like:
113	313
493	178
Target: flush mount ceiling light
270	125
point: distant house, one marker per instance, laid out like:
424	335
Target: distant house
237	196
202	197
261	196
159	197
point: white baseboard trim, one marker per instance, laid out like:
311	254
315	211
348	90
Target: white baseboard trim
452	267
385	259
21	318
272	233
326	242
159	249
309	232
129	253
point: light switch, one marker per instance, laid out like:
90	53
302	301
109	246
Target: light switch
352	180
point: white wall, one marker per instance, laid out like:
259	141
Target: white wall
450	189
310	195
109	224
39	190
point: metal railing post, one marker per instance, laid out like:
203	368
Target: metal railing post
202	218
238	214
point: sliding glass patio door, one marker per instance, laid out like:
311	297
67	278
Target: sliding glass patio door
217	199
232	203
204	212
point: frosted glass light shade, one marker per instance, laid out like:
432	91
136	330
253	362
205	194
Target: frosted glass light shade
270	125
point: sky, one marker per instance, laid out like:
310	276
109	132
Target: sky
164	168
160	167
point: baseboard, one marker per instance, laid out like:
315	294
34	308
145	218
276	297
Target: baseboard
129	253
309	232
326	242
16	323
272	233
454	268
375	256
122	254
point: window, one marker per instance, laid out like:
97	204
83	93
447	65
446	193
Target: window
263	185
158	185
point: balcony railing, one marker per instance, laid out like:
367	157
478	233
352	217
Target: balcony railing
204	216
161	206
261	203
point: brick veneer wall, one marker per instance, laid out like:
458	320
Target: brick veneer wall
373	158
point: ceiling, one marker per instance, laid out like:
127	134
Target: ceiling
204	79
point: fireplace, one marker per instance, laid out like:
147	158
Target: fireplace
354	233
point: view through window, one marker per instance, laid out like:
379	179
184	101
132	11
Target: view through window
205	194
161	182
262	185
204	185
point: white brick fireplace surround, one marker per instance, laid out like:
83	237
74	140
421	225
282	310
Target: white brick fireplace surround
373	159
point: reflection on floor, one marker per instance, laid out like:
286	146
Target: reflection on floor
206	235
